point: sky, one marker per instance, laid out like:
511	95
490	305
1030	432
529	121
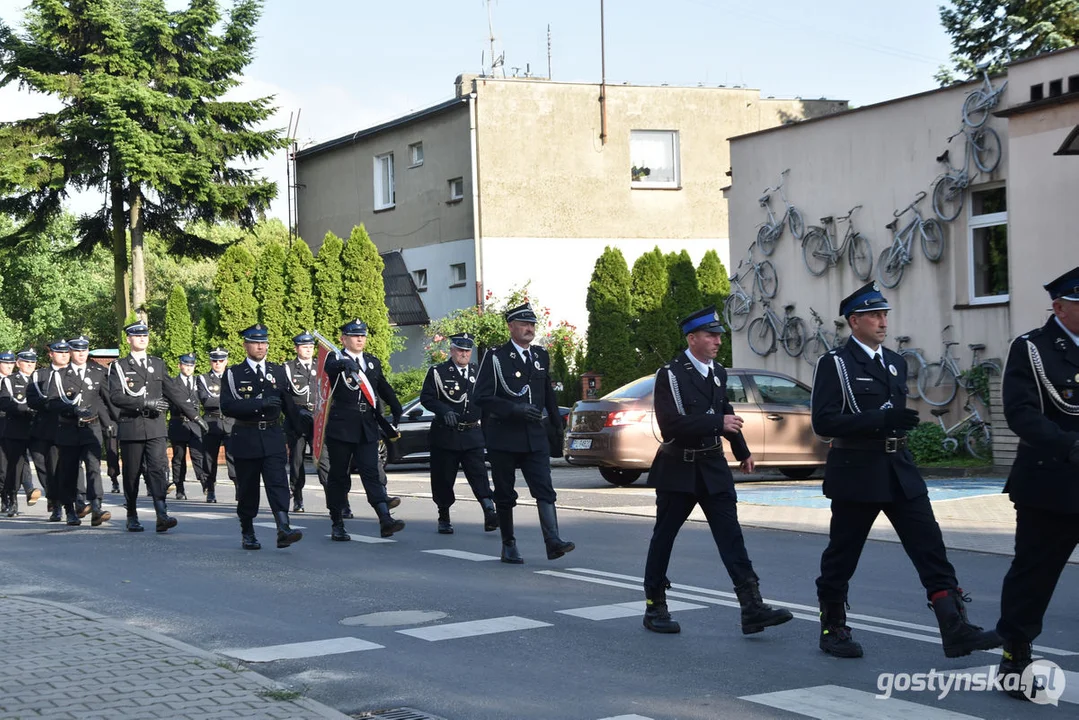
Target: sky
343	65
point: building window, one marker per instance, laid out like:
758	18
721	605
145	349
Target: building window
415	154
457	189
384	195
420	278
458	275
988	235
653	155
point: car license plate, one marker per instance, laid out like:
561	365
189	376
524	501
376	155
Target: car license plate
581	444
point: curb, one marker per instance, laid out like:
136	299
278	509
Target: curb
308	704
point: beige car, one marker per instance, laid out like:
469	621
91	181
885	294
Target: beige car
618	434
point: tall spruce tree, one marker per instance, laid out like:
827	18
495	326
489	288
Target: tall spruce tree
270	293
143	120
610	340
715	286
365	292
299	290
237	308
648	293
179	332
328	289
205	337
683	295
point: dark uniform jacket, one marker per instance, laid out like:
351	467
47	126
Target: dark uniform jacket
18	415
258	430
127	379
1041	405
351	417
209	391
80	423
40	394
445	390
692	419
183	410
304	383
504	381
857	414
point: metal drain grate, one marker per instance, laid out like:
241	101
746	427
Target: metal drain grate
398	714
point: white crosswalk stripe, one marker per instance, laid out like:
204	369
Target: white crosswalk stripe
273	526
626	609
369	539
627	717
453	631
833	702
462	555
1070	679
292	651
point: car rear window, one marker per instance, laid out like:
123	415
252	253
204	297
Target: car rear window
781	391
640	388
736	391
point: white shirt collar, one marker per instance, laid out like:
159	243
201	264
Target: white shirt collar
461	368
139	355
255	365
521	349
702	368
1069	333
868	351
80	369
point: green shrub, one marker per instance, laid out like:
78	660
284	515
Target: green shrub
407	383
926	443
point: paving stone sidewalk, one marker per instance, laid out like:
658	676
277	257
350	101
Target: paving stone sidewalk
65	663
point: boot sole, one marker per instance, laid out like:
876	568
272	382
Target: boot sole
759	627
559	553
102	518
442	531
955	651
662	631
843	653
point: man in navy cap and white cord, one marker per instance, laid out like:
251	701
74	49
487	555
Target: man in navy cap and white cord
300	421
43	394
186	428
15	433
209	390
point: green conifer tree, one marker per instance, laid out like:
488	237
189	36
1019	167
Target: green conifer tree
270	293
179	331
715	286
365	292
328	288
648	294
205	335
299	289
683	295
237	307
610	341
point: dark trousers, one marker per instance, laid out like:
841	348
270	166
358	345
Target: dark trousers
90	486
1043	543
179	461
45	456
69	464
917	528
14	468
297	445
444	464
112	457
340	456
536	468
149	457
211	446
272	470
721	511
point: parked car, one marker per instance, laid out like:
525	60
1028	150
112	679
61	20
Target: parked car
618	434
412	447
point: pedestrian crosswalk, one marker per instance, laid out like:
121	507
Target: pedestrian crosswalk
835	702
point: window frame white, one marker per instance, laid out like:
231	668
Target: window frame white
454	197
976	222
417	276
676	161
379	190
456	281
412	153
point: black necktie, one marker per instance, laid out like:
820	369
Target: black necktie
527	356
880	359
258	371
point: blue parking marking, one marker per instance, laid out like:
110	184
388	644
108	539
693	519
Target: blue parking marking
810	495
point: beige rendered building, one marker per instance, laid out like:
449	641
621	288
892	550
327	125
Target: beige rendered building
524	180
1011	236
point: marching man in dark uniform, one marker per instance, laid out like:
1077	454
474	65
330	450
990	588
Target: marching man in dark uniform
300	422
353	428
255	393
209	391
455	437
692	411
1041	404
140	390
18	418
859	401
95	379
102	359
513	389
186	428
41	393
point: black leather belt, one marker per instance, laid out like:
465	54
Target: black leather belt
467	426
214	415
689	454
260	424
888	445
78	421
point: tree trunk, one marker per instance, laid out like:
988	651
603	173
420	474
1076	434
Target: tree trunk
138	261
120	267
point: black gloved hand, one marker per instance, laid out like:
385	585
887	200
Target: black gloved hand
528	412
900	419
85	413
162	404
150	408
203	425
70	411
110	431
450	418
350	365
307	414
1073	456
271	402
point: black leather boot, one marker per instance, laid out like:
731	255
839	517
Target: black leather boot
509	543
656	616
133	524
180	494
297	501
835	636
210	496
957	634
285	534
387	525
393	501
13	506
445	527
756	614
97	515
54	513
164	522
72	515
346	512
247	534
82	508
115	486
337	531
490	515
1010	672
556	546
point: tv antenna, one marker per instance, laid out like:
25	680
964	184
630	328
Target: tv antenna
499	60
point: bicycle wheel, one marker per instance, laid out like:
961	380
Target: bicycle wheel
976	109
914	364
762	337
816	251
932	240
948	198
987	151
890	267
797	224
767	236
814	348
979	441
860	256
767	280
794	336
736	310
937	384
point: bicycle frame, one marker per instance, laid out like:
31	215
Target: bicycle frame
973	417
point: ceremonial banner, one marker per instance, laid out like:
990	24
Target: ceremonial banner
322	397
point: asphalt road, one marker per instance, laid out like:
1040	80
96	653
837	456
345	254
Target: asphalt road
546	640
